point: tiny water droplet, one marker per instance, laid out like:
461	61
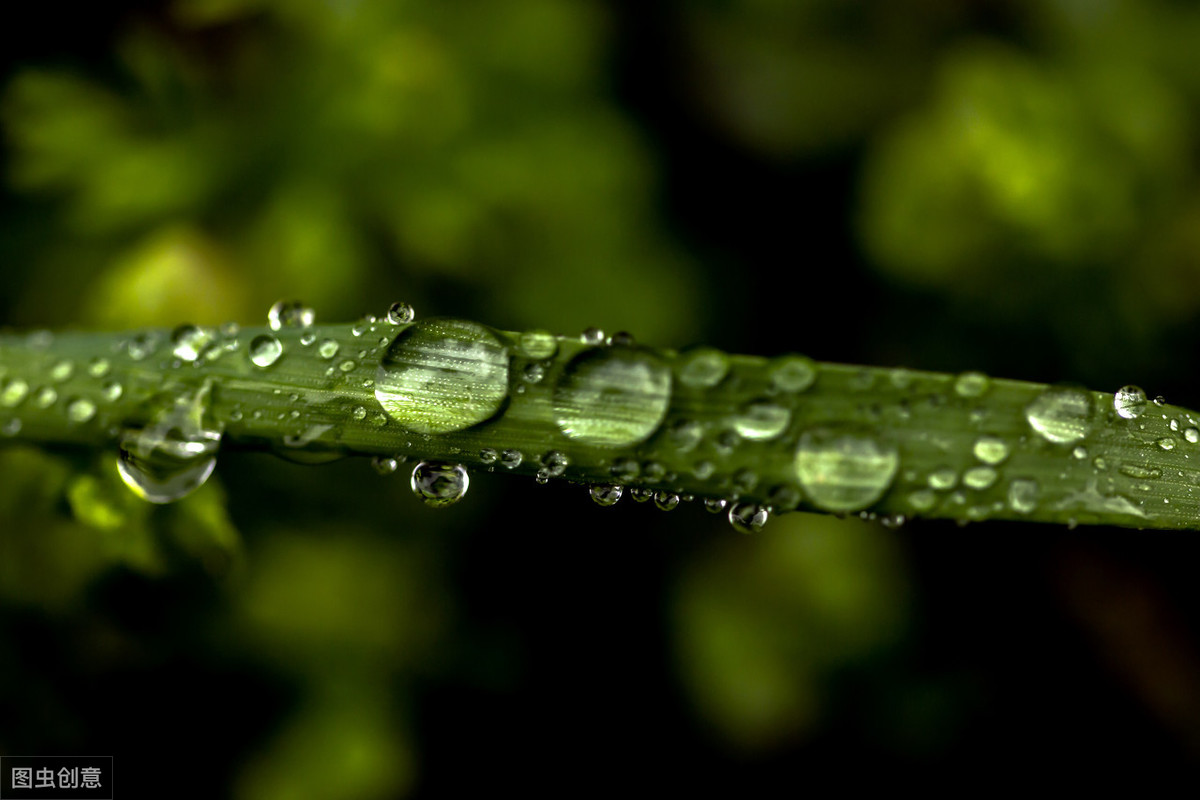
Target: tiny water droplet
400	313
624	469
793	374
81	410
488	456
98	367
538	345
761	421
715	505
922	500
439	484
1129	402
943	479
534	373
443	375
385	465
653	472
61	371
1023	495
1160	401
290	314
112	391
641	494
141	346
612	397
45	397
685	434
1080	452
990	449
971	384
359	413
265	350
511	459
1061	414
702	368
844	471
704	469
979	477
606	494
349	365
622	339
15	391
1166	444
555	463
307	338
748	517
327	349
592	336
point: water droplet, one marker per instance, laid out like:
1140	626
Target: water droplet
188	342
488	456
265	350
685	434
1192	435
1100	462
12	427
624	469
385	465
111	391
606	494
622	339
400	313
715	505
1160	401
990	449
762	421
979	477
667	501
922	500
61	371
359	413
289	314
748	517
15	391
1061	414
1023	496
592	336
842	471
443	375
641	494
1129	402
534	373
793	373
971	384
704	469
1080	452
612	397
1140	472
702	368
1166	444
348	365
327	349
307	338
538	345
439	484
555	463
81	410
173	456
141	346
46	397
653	472
511	459
98	367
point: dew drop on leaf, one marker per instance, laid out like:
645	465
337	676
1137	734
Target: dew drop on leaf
400	313
606	494
667	501
81	410
1061	414
265	350
612	398
173	456
761	421
440	484
702	368
990	449
748	517
290	314
1129	402
844	471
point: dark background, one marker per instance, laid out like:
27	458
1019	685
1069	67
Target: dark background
1005	187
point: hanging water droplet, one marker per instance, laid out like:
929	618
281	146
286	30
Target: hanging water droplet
439	484
702	368
290	314
400	313
641	494
1129	402
715	505
1023	496
990	449
385	465
15	391
979	477
265	350
81	410
748	517
667	501
443	375
793	374
538	345
844	471
511	459
555	463
761	421
606	494
971	384
592	336
327	349
1061	414
188	342
174	455
612	397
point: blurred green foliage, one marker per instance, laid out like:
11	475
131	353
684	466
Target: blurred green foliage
1028	168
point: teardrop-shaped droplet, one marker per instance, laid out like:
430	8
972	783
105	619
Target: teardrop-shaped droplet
1061	414
748	517
761	421
290	314
606	494
1129	402
612	397
265	350
400	313
844	471
385	465
702	368
443	375
439	484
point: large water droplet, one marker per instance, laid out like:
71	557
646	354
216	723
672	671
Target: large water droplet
443	375
290	314
439	484
612	397
843	471
1129	402
265	350
762	421
1061	414
173	456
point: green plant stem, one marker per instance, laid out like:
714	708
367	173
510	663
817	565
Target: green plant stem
1128	472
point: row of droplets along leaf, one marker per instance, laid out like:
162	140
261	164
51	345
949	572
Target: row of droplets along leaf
443	376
